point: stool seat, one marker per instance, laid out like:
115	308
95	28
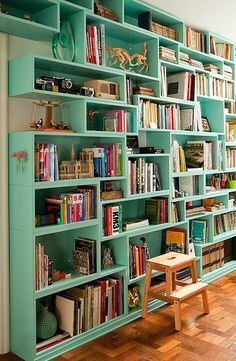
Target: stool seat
170	263
188	291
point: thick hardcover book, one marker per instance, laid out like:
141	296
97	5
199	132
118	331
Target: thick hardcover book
65	313
145	20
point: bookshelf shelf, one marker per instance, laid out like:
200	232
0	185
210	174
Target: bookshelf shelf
87	117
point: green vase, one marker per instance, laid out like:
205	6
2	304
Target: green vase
46	324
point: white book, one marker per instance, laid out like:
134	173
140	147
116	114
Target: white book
177	85
65	314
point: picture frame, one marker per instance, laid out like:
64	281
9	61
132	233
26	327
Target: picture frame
205	124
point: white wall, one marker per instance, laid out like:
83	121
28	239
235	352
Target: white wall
216	16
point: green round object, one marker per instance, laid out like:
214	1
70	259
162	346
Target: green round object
46	324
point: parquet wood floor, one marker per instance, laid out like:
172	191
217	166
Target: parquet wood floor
202	338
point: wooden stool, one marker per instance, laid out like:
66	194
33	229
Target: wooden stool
170	263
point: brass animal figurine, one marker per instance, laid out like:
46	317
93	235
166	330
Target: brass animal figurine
122	56
104	11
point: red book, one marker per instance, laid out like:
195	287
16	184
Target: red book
102	284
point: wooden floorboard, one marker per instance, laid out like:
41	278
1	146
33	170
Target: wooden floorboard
202	338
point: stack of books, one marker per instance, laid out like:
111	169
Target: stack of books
133	223
212	68
184	58
196	63
194	210
167	54
227	72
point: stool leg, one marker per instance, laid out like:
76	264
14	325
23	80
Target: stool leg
177	308
173	281
205	302
194	272
147	284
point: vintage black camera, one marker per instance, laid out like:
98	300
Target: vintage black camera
63	84
87	92
44	84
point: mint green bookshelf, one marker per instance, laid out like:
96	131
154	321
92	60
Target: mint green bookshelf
24	191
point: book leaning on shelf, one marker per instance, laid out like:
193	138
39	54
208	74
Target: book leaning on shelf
181	86
84	256
199	231
175	240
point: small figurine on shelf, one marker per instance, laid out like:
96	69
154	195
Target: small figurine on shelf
74	169
29	18
106	12
49	124
124	59
3	10
107	259
133	297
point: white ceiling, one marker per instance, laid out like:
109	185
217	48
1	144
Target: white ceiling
213	15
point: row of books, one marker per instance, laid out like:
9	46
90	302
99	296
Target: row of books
138	254
156	210
143	176
230	131
163	30
178	85
231	157
224	223
174	213
73	206
230	107
80	309
194	155
84	256
222	88
220	49
213	257
43	268
46	162
195	39
201	84
107	160
95	50
171	116
118	121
